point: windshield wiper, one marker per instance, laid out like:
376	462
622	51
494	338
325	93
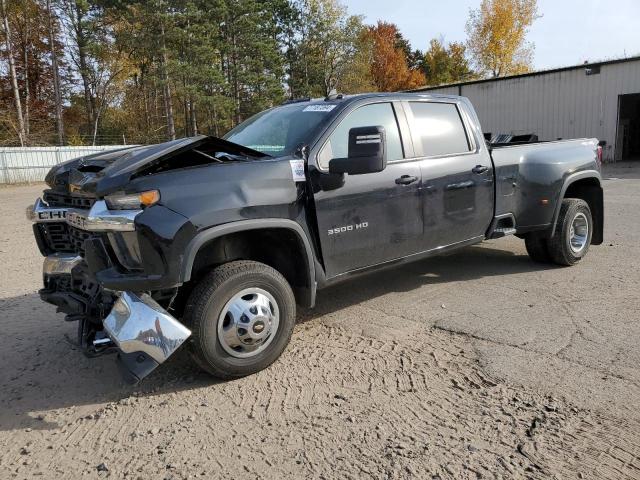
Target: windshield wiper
210	157
223	156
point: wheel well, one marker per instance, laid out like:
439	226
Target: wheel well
589	190
280	248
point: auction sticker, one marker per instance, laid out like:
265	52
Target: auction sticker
297	170
319	108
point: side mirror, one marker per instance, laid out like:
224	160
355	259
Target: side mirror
367	152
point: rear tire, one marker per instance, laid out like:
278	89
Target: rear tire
572	236
537	248
241	315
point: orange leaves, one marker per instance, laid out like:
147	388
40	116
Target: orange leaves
389	67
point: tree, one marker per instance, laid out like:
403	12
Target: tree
324	49
55	70
459	67
12	72
139	71
79	23
357	77
31	42
251	56
98	59
497	36
446	63
146	32
389	68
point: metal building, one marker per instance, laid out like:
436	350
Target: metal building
591	100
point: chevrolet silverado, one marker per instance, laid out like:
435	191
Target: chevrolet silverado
212	242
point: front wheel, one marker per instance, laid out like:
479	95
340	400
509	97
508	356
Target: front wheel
572	236
241	315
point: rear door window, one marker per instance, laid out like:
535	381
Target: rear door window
439	128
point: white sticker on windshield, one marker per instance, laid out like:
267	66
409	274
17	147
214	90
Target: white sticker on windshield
297	170
319	108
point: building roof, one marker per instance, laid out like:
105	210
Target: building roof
531	74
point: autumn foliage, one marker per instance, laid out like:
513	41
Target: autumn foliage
127	71
497	36
389	67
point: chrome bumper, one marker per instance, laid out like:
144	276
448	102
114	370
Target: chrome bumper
40	212
145	333
101	219
98	219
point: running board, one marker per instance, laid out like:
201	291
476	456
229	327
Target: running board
502	225
503	232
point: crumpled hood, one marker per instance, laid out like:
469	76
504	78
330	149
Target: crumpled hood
102	173
76	169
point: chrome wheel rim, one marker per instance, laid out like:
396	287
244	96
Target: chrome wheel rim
248	323
579	233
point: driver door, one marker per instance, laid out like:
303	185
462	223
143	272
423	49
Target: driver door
372	218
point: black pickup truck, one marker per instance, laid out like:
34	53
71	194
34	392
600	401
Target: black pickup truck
212	242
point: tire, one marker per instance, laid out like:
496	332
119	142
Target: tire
216	343
574	213
537	248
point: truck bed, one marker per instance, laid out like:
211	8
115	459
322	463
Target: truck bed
529	177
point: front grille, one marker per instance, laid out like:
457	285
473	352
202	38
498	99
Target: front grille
77	238
55	237
63	238
58	237
67	200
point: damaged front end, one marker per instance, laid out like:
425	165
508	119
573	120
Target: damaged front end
114	246
81	243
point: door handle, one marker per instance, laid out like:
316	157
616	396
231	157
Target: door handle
406	180
480	169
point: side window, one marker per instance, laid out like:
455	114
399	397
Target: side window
439	127
368	115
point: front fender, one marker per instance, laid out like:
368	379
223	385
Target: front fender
212	233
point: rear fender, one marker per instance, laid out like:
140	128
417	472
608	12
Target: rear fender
593	196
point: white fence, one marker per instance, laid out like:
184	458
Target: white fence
31	164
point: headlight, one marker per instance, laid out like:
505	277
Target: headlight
134	201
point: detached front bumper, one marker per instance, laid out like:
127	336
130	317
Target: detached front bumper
145	333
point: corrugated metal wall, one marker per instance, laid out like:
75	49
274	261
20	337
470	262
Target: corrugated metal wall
564	104
31	164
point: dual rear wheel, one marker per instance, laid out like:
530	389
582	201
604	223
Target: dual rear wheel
571	238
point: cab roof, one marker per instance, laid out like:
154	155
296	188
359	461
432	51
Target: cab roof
344	98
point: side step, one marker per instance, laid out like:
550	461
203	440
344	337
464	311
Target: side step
503	232
502	226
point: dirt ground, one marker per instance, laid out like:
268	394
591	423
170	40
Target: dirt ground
480	364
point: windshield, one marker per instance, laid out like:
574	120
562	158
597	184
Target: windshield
281	130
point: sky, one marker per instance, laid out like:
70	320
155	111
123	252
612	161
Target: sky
569	32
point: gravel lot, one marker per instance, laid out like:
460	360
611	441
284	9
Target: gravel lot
480	364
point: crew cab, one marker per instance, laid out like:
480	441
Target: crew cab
213	242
